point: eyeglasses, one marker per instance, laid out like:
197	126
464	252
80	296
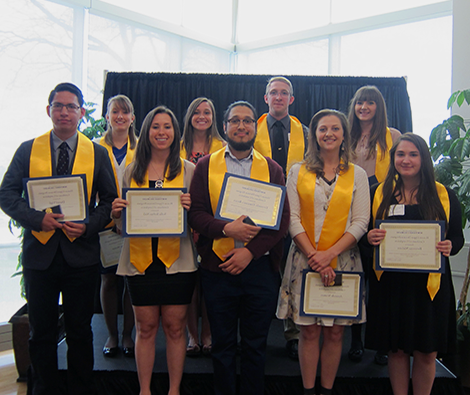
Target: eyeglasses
236	121
59	106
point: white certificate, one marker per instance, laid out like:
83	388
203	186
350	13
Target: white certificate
154	212
261	201
344	301
410	246
111	246
68	192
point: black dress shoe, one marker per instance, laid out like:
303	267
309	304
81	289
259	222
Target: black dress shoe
380	358
128	352
356	354
292	347
110	352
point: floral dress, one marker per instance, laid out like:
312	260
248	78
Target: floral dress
349	260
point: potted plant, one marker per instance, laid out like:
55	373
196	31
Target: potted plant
91	128
450	147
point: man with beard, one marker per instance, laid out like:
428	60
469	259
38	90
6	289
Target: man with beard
240	262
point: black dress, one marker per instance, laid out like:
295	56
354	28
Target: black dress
400	312
156	287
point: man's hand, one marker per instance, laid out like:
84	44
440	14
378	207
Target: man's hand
49	222
239	260
240	231
73	229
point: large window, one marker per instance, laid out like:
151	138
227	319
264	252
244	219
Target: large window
43	42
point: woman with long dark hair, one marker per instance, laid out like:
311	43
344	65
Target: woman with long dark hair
329	213
161	275
410	313
371	141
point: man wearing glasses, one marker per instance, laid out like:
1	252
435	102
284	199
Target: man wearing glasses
240	262
283	138
60	256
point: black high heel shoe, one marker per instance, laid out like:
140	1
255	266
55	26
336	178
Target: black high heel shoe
110	352
356	353
128	352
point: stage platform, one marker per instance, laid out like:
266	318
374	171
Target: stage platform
118	375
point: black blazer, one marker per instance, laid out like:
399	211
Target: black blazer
85	250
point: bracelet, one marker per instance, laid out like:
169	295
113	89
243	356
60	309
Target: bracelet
223	231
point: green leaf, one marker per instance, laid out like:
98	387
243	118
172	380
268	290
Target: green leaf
467	96
445	171
460	98
452	99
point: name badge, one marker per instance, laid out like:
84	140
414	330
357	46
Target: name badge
396	209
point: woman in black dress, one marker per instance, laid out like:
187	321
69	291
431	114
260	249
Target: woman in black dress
413	314
161	272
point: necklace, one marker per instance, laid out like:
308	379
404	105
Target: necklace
160	179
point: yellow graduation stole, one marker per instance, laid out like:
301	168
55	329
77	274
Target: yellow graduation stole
382	162
337	213
168	249
40	165
434	279
217	170
129	158
296	143
215	146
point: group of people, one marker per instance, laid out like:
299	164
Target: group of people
327	225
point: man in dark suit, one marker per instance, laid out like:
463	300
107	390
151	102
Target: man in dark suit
239	261
283	138
60	257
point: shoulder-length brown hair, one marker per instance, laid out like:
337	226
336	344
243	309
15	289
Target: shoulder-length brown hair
313	160
188	130
125	104
426	193
143	153
379	128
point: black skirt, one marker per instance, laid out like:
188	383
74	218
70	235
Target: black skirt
156	287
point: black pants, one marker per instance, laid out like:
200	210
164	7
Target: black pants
247	301
42	290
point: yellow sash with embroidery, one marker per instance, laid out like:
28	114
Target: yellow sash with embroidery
40	165
337	213
215	146
382	162
296	143
168	249
217	170
129	158
434	279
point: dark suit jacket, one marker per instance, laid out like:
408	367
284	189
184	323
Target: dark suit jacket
85	250
201	218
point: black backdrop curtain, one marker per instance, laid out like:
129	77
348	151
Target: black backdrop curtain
177	90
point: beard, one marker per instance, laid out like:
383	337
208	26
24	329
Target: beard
237	146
